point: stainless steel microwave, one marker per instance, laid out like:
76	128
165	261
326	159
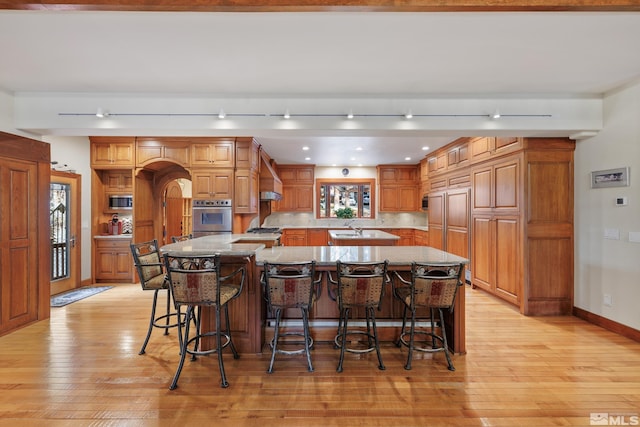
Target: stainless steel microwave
120	201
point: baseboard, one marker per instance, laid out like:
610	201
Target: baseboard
607	324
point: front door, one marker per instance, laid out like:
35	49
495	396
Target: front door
64	218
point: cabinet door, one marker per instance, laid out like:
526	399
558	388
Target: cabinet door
247	153
112	154
294	237
436	220
507	274
317	237
408	198
218	154
246	192
506	185
304	199
118	182
389	198
216	184
457	222
482	259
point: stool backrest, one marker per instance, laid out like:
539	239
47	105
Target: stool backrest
150	268
176	239
435	284
194	280
361	284
290	285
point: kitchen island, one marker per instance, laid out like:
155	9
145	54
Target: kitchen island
362	237
250	318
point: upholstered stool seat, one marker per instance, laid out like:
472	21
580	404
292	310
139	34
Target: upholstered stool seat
150	269
433	287
196	282
290	286
359	286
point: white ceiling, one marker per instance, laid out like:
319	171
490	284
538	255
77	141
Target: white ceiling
314	56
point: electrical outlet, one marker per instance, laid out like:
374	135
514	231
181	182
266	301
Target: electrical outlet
606	300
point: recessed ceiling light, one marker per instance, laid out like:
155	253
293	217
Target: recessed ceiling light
353	158
425	148
407	158
307	158
359	149
305	148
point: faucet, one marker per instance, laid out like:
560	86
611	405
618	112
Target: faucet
351	225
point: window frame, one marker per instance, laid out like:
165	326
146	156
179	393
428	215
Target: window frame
371	182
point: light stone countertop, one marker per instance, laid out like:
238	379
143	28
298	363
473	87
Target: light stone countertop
348	234
220	243
113	236
328	255
323	255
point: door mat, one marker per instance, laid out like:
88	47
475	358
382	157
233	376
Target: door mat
74	295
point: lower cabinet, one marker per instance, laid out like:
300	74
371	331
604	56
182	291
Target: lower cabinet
496	257
294	237
317	237
113	261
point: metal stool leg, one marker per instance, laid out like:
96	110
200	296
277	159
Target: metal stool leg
274	342
444	342
183	349
344	316
375	337
224	382
307	337
412	332
151	321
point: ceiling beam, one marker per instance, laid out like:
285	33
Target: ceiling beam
325	5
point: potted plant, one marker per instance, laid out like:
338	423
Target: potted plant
345	213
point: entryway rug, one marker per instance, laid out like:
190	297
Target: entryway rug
74	295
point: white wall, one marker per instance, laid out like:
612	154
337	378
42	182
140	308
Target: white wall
74	151
604	266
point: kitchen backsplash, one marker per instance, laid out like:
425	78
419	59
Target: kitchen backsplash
401	219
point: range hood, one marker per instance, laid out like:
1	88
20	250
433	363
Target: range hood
270	184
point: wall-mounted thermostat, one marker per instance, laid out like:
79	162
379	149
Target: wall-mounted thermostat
621	201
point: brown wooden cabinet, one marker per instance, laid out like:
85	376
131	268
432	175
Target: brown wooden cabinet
247	153
496	186
297	188
406	236
212	183
399	188
294	237
173	150
484	148
213	152
113	261
118	181
246	191
421	238
317	237
112	152
496	255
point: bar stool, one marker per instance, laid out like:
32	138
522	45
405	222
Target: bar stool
150	268
290	286
433	286
359	285
196	282
176	239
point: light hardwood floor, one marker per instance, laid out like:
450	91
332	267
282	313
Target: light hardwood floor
81	368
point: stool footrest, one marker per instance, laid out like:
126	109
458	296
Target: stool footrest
286	334
369	336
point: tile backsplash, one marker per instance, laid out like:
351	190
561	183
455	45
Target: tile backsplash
399	219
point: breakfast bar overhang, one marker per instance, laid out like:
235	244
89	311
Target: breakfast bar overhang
249	319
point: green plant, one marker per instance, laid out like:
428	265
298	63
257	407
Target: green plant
345	213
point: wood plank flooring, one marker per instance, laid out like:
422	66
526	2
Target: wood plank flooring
82	368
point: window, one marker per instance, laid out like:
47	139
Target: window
346	195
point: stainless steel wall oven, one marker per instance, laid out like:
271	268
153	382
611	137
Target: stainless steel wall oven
212	217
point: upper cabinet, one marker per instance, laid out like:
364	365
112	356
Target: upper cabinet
247	153
213	152
112	152
151	149
297	188
399	188
483	148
